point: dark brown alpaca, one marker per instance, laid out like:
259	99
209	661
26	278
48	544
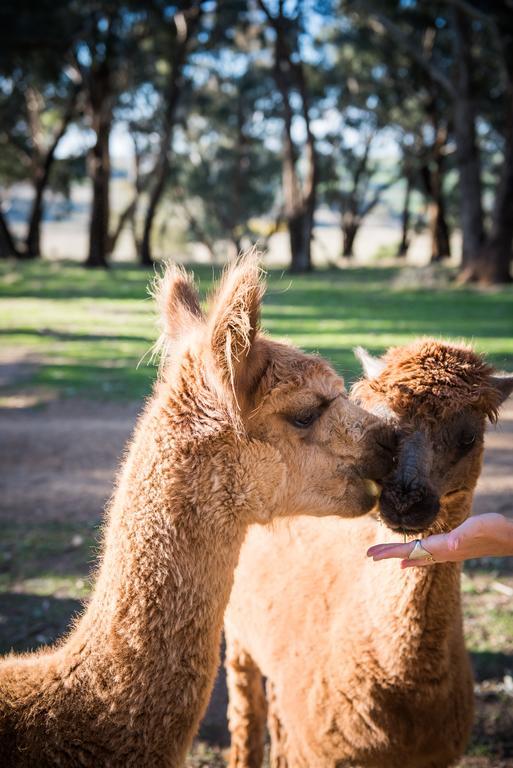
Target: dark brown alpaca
366	664
240	429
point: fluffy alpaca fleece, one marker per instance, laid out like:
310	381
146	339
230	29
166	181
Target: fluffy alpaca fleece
365	663
216	448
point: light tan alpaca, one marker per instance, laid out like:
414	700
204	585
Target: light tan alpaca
365	663
239	429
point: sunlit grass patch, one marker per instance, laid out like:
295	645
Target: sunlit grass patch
90	332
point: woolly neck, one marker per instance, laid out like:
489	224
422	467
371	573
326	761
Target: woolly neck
149	641
413	614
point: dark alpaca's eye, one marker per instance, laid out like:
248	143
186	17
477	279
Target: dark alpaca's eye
467	439
304	420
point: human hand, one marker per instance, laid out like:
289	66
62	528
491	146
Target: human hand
489	535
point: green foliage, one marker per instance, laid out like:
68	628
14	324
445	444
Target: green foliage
349	71
226	174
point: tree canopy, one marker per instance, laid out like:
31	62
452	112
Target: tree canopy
248	110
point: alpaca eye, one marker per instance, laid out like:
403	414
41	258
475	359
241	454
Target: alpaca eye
304	420
467	439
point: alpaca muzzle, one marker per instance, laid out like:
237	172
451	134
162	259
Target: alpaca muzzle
409	502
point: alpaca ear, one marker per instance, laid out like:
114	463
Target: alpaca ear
372	366
233	324
177	301
504	384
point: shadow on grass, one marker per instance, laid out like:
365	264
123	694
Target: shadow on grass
68	336
68	280
489	665
124	381
214	726
50	550
30	621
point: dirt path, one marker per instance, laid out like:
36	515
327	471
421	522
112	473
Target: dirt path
60	460
495	488
58	464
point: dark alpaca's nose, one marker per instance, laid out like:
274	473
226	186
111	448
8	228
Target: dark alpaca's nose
408	501
412	508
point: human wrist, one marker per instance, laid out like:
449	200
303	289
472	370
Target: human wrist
499	534
505	536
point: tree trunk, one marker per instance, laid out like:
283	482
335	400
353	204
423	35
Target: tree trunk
300	236
299	212
299	195
126	215
145	255
497	266
192	16
494	264
129	213
440	239
349	231
33	239
467	154
8	249
41	178
441	245
101	104
348	237
100	172
404	243
438	227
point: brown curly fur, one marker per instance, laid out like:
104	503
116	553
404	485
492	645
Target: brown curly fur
430	380
212	452
365	664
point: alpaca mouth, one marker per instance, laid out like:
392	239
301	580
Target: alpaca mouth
411	510
405	528
401	526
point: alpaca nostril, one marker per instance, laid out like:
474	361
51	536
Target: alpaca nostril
407	488
408	506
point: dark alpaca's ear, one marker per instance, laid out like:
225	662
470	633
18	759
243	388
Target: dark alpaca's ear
233	323
372	366
178	303
503	383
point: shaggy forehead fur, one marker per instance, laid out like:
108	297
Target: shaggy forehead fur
291	370
432	380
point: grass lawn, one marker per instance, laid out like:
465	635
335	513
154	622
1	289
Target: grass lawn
69	333
85	332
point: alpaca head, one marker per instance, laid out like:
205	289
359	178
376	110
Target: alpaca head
296	442
446	392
